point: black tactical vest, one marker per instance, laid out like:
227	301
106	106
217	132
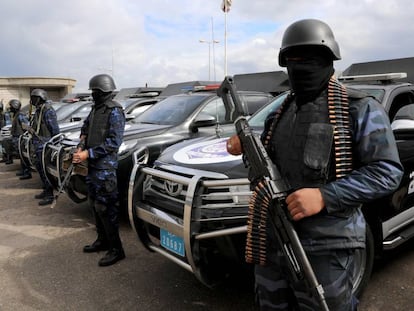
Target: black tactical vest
98	123
302	144
2	120
16	129
41	130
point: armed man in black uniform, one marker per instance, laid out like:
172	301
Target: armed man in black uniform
11	145
101	136
2	123
44	127
335	148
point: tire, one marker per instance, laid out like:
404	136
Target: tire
364	261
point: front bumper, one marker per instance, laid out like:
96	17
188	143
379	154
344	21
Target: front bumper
201	209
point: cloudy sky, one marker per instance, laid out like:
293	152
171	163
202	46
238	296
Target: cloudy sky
158	42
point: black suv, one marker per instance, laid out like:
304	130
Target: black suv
76	97
191	205
196	112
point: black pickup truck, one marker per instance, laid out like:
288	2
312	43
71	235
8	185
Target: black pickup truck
191	205
196	112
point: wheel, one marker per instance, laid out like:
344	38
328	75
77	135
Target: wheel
364	261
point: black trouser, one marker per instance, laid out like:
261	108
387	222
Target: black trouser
333	269
103	196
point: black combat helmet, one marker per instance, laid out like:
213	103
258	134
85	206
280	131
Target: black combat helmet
309	32
39	93
15	105
102	82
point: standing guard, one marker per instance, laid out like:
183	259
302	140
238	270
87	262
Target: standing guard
44	126
101	136
11	145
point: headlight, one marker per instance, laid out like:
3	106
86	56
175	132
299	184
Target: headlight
126	146
141	156
241	194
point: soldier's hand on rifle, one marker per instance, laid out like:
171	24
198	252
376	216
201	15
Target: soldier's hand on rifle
305	202
80	156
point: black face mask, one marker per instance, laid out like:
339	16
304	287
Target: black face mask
308	77
100	97
35	101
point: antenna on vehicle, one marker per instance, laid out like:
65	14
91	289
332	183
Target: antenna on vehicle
218	129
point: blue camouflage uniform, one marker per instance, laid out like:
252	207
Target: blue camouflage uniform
45	126
102	165
330	237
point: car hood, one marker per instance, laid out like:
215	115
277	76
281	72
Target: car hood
133	130
207	154
143	129
70	126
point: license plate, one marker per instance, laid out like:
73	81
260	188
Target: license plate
172	242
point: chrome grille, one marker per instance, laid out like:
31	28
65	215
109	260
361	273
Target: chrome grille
211	200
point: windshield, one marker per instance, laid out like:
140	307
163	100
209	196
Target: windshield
173	110
67	110
83	112
258	119
56	106
127	102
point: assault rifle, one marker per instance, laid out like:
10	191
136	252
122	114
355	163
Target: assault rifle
63	184
264	169
31	130
66	179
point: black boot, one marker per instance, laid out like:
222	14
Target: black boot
9	160
48	197
116	251
26	175
101	243
97	246
112	256
41	195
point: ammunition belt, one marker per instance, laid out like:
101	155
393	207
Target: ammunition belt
338	107
261	200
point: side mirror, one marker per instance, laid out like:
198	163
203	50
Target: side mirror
129	117
203	120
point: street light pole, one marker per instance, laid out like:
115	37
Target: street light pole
208	42
209	54
214	54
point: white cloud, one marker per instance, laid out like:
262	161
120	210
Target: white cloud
157	42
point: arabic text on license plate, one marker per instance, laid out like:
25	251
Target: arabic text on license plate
172	242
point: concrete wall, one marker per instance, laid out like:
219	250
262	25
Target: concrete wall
21	87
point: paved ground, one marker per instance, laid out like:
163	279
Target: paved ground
42	266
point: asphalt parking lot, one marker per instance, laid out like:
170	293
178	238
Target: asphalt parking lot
42	266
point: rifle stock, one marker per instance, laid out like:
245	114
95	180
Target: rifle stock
274	188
